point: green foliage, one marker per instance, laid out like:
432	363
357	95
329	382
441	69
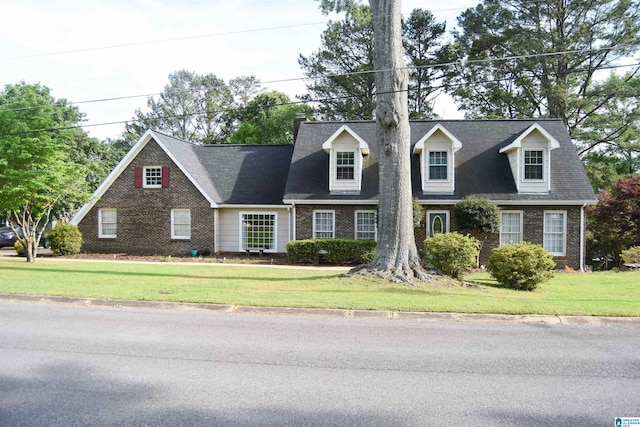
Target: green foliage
65	239
333	251
418	213
501	65
341	71
192	107
41	176
20	247
477	215
268	119
521	266
451	253
631	255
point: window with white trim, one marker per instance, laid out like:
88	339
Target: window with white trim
366	225
438	166
152	177
555	232
437	222
345	165
510	227
258	231
180	224
534	164
323	224
107	223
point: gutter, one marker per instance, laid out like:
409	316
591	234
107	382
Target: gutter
583	227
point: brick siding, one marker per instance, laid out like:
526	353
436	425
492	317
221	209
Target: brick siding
144	214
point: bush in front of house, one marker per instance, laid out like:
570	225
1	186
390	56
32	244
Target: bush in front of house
19	246
65	239
332	251
451	253
631	255
522	266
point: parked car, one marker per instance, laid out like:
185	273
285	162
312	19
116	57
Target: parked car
8	237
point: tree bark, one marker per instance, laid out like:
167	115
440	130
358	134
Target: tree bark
397	257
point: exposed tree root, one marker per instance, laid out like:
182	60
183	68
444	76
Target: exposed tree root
407	274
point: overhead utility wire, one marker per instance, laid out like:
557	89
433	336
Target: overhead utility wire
354	73
435	88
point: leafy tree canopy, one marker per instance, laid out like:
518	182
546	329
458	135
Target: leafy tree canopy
268	119
343	81
41	176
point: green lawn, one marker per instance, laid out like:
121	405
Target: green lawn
602	294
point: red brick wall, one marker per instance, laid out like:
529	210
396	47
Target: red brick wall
144	214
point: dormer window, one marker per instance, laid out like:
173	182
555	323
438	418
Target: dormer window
529	157
347	152
533	164
438	169
345	165
437	160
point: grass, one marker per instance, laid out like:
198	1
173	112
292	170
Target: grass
601	294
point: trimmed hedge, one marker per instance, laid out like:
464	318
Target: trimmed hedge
521	266
65	239
332	251
451	253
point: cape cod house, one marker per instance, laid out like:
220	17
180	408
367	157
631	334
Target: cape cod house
169	196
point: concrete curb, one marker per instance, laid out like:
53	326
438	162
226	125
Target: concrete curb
529	319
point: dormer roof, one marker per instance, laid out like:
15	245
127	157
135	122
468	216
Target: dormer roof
455	142
517	143
362	144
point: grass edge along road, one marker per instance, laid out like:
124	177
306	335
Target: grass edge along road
577	294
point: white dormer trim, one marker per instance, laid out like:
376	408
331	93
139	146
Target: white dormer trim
345	140
516	154
426	145
124	163
362	144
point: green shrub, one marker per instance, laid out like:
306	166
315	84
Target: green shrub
332	251
65	240
521	266
19	246
477	215
631	255
451	253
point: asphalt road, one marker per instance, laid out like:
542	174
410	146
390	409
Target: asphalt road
64	365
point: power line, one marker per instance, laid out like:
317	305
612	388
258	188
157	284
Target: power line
312	101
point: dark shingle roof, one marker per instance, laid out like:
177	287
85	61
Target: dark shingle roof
480	168
234	174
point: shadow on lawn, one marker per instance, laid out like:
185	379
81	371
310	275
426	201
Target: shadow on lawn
186	276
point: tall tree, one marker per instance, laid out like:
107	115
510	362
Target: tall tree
343	81
522	58
421	37
192	107
268	119
396	256
609	138
38	178
341	72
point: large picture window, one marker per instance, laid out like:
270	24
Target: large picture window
258	231
438	165
366	225
345	165
107	223
323	224
555	231
533	164
180	224
510	227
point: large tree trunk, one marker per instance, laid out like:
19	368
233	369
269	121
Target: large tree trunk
397	256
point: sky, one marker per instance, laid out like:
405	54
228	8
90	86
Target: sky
94	50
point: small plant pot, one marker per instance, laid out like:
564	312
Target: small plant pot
194	252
